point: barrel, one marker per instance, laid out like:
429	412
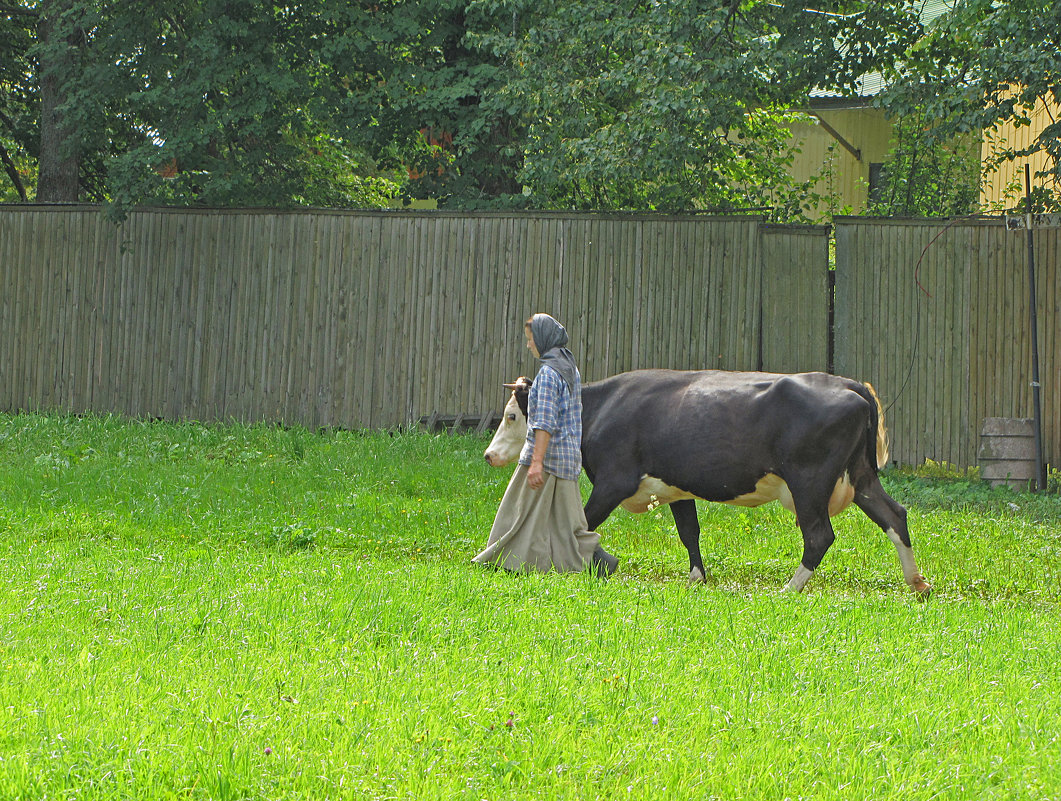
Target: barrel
1007	451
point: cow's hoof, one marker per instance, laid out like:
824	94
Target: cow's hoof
696	576
922	591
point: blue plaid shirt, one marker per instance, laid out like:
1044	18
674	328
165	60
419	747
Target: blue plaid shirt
552	407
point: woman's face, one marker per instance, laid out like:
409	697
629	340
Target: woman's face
530	342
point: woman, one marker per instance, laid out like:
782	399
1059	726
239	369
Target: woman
541	524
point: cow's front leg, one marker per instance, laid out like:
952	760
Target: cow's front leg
689	531
799	580
606	495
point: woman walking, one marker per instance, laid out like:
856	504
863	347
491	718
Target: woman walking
541	524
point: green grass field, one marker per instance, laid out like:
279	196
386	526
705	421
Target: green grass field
234	612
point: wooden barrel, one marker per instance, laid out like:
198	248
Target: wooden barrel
1007	451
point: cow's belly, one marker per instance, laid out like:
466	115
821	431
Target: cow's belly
652	493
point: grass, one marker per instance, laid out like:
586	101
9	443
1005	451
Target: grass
249	612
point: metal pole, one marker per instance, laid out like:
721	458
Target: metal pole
1040	465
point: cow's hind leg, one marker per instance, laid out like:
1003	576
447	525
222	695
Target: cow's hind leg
689	530
887	513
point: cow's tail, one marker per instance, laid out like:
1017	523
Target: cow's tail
877	442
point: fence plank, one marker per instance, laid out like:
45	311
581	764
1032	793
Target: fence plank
795	313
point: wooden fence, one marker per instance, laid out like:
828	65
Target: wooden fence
370	319
935	314
355	320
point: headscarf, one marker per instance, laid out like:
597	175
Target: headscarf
550	338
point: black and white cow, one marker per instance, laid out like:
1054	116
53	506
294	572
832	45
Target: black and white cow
812	441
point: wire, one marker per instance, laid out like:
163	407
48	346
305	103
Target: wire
917	310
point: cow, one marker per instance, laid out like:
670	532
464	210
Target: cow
813	441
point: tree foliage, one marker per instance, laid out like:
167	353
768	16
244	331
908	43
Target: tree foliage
672	106
630	104
927	177
415	85
189	101
984	63
19	103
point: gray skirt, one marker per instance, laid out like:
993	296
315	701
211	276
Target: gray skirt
541	529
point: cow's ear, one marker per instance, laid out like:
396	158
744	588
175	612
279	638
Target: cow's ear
522	393
513	386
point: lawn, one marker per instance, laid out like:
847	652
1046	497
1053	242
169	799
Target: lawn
251	612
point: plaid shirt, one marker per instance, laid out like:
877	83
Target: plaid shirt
553	408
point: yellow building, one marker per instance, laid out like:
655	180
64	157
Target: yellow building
845	141
1003	183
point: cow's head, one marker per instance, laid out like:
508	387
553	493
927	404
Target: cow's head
512	433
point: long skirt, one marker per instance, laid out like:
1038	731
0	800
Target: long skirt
541	529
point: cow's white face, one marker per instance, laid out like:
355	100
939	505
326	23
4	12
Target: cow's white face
508	440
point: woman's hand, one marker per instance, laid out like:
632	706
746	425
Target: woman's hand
536	473
535	477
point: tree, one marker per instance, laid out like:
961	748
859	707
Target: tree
924	176
60	33
19	104
630	104
219	105
983	63
186	101
673	106
419	84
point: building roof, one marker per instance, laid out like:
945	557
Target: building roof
872	84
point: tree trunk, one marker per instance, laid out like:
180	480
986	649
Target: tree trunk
57	180
12	173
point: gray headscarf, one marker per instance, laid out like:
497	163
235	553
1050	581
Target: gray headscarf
550	338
